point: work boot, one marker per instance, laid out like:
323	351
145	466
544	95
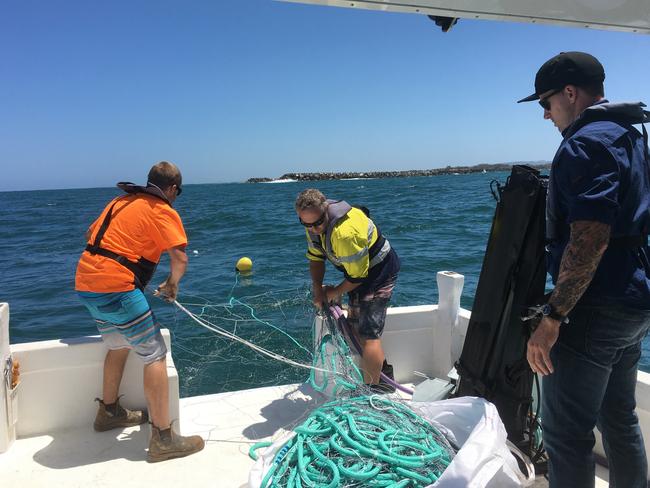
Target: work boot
384	387
115	415
167	444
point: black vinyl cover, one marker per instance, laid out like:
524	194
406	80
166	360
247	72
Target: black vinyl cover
493	362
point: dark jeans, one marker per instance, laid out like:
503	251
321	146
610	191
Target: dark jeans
594	382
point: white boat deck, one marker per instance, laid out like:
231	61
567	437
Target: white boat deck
229	422
50	413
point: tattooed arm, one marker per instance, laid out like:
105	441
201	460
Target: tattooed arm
588	242
581	257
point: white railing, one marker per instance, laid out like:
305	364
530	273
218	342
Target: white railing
59	380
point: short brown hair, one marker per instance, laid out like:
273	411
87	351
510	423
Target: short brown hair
594	89
310	198
164	175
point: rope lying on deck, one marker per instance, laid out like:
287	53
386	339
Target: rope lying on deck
362	441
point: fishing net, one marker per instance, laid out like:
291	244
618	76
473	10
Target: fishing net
357	439
337	373
220	347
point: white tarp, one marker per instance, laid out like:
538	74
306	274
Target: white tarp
484	459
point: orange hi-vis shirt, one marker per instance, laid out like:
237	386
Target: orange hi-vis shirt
141	226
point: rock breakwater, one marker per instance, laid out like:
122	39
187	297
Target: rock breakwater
479	168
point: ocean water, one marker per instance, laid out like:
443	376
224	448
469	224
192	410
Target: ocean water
435	223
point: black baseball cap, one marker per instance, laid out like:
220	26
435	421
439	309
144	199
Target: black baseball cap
571	68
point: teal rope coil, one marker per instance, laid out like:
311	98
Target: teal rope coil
362	441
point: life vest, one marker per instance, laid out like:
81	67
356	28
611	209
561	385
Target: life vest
142	269
336	211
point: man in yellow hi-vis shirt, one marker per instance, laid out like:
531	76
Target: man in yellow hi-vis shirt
349	239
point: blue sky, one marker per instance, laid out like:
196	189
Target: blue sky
96	92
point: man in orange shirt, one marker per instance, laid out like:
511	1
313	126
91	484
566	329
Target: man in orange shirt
123	250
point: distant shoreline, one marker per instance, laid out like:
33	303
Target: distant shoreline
449	170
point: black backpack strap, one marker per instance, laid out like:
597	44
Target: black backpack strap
647	166
102	229
142	269
364	209
628	242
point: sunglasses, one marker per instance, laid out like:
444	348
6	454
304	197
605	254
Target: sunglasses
313	224
179	190
545	103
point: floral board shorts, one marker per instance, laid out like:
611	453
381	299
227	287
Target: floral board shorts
367	310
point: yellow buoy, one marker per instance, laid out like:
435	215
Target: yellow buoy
244	265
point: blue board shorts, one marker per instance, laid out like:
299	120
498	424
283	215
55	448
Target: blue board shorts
125	320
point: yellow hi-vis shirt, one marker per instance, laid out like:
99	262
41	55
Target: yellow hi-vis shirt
351	238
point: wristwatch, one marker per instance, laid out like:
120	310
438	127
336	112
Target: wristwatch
549	311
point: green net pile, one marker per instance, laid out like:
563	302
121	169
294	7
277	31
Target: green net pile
368	441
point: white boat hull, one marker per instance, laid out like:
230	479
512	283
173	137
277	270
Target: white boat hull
59	380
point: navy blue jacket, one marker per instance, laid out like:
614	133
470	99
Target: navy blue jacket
601	173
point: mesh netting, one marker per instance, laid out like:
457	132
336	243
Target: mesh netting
357	439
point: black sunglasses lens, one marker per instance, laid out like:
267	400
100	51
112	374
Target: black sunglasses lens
312	224
179	190
546	103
